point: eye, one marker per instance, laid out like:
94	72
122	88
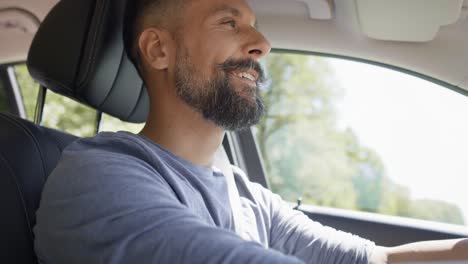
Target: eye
231	23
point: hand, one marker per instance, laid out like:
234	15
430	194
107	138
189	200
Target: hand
455	250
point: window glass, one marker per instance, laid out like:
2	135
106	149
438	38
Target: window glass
29	90
67	115
113	124
59	112
354	136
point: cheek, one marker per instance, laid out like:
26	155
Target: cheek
225	45
217	47
205	62
211	48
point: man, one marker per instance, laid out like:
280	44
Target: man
155	197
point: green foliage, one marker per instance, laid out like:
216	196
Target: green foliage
29	90
59	112
437	211
303	153
65	114
307	156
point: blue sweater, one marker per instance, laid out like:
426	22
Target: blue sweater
121	198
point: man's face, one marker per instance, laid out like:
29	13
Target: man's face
216	67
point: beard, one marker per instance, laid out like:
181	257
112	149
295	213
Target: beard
216	98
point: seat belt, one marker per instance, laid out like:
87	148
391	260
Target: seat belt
222	163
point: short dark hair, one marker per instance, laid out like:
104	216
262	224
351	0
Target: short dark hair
163	14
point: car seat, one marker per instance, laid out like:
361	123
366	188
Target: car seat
28	154
77	52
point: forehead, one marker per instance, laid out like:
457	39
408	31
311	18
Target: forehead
205	8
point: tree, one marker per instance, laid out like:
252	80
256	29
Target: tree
436	211
301	112
306	155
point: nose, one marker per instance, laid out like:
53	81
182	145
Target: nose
258	46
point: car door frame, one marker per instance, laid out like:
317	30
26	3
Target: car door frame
12	90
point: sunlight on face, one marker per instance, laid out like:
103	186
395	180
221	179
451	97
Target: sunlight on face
217	70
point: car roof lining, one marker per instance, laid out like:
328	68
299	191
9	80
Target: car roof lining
443	58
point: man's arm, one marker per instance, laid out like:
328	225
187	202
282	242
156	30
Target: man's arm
293	233
440	250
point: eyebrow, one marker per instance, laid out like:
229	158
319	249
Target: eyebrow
231	10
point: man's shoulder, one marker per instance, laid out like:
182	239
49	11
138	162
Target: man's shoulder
107	144
105	160
104	154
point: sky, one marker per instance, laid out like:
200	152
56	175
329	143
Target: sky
418	128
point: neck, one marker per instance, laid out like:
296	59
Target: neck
180	129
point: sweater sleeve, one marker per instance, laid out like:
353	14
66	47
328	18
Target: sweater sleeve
118	209
293	233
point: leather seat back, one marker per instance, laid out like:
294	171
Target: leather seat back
77	52
28	153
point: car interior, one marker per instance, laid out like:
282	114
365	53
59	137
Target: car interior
75	48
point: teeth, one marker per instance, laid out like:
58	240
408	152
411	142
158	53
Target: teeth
246	75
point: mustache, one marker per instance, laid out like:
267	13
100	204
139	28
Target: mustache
244	65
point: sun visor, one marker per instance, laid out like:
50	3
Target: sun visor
403	20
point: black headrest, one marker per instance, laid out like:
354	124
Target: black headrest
78	52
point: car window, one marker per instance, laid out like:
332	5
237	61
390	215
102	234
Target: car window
113	124
349	135
29	90
65	114
60	112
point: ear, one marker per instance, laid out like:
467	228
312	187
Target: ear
154	49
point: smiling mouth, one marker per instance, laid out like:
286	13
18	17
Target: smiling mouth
249	77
